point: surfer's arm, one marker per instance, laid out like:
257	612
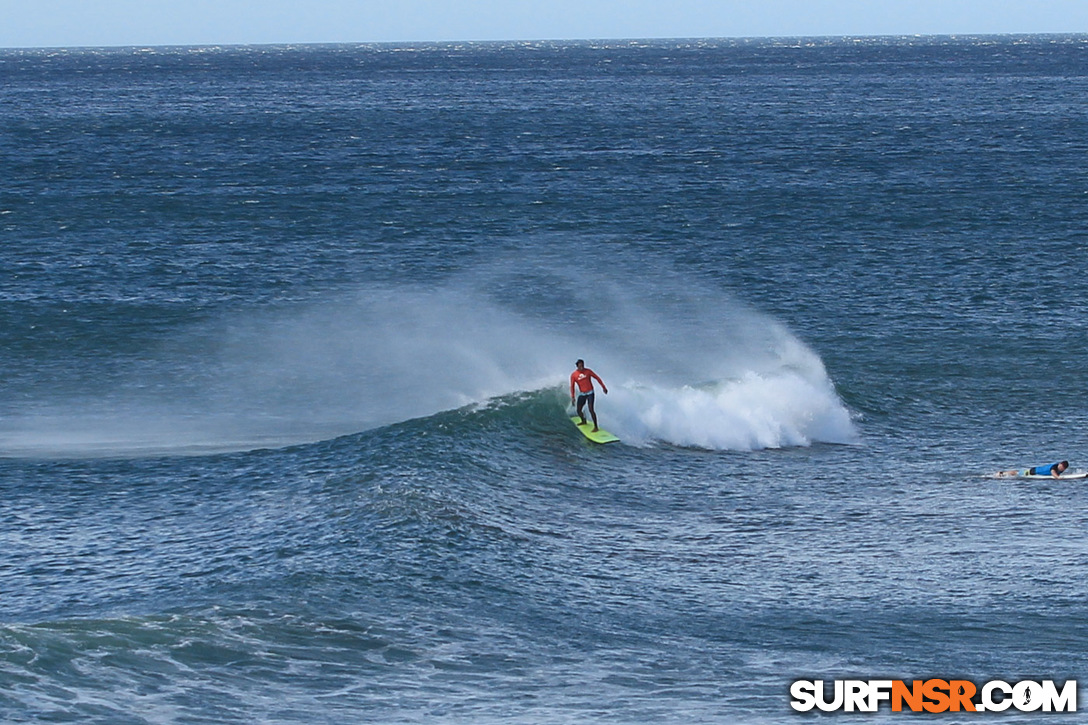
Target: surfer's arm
604	388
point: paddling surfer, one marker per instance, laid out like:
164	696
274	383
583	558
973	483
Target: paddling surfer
1053	469
583	377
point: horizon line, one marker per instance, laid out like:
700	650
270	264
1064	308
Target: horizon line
549	41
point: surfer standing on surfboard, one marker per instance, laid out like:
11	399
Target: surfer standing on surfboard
583	377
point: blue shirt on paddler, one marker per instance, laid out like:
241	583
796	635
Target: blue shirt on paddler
1043	470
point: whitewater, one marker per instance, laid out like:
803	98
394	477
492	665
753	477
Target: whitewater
701	370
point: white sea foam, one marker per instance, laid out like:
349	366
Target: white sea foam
753	412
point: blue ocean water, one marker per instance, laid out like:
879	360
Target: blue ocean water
285	340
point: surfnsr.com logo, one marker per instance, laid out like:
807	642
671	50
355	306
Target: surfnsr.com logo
934	695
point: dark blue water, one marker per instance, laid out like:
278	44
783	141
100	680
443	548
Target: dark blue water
285	337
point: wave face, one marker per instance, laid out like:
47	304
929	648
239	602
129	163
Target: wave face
688	364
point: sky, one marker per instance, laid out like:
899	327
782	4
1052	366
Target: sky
81	23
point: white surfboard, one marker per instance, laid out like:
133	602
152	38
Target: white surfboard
1068	475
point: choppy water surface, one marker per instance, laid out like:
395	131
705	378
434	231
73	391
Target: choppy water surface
286	333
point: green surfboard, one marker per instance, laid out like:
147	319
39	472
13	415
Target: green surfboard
601	436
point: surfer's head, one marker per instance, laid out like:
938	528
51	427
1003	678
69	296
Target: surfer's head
579	364
1062	466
